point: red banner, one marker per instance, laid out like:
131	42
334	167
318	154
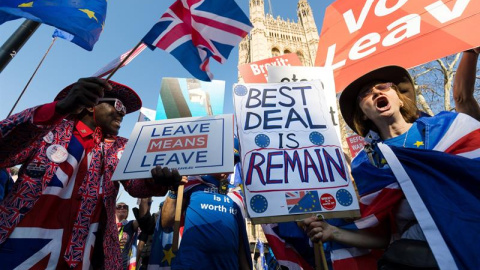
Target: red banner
356	144
358	36
256	72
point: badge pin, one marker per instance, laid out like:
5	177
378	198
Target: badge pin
57	153
35	170
48	138
120	153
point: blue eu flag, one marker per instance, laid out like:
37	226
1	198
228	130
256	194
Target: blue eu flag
82	19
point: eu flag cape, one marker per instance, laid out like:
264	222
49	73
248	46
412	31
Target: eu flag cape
444	193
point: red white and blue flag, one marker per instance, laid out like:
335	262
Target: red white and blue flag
37	242
195	30
285	253
442	187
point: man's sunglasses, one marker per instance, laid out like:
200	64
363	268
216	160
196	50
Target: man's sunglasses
117	104
368	91
122	206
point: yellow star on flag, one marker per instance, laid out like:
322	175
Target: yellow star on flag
29	4
418	144
168	256
89	13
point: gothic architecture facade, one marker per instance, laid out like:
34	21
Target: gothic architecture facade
275	36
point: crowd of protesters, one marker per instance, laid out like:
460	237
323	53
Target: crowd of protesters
68	150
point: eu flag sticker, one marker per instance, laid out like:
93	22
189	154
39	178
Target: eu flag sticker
240	90
259	204
302	201
344	197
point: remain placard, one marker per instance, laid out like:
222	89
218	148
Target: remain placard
292	161
193	145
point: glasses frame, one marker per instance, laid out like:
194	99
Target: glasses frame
121	206
117	104
383	87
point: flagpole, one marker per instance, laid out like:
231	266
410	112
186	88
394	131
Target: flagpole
124	60
16	41
31	77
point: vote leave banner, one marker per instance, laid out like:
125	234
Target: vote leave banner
358	36
256	72
192	145
291	157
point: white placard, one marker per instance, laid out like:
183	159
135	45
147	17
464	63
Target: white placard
292	160
278	74
193	145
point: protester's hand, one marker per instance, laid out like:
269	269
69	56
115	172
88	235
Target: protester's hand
318	230
84	94
123	241
166	177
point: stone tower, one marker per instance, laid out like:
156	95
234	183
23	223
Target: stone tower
276	36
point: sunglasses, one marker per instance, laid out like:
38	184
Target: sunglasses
380	86
122	206
117	104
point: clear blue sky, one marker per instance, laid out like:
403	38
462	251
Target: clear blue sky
126	24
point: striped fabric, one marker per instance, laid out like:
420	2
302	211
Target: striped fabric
380	193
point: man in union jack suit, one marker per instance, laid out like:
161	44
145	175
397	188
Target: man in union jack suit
60	213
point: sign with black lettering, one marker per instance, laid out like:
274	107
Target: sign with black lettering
292	161
193	145
301	74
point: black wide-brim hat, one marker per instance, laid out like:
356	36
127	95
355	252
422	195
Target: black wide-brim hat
129	98
395	74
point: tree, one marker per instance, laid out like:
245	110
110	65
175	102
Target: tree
434	81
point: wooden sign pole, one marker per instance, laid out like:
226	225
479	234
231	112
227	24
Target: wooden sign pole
320	260
178	217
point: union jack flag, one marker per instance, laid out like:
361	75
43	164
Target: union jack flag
195	30
450	171
285	253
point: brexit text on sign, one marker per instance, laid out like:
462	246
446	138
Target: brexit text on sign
292	161
193	145
359	36
256	72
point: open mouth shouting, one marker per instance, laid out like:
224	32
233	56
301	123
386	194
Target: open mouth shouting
382	104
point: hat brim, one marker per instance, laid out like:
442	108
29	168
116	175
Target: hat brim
395	74
129	98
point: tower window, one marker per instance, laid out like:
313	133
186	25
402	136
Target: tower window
275	52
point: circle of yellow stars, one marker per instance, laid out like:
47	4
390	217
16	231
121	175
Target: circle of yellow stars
312	207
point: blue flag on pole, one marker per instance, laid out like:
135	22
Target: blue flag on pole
82	19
